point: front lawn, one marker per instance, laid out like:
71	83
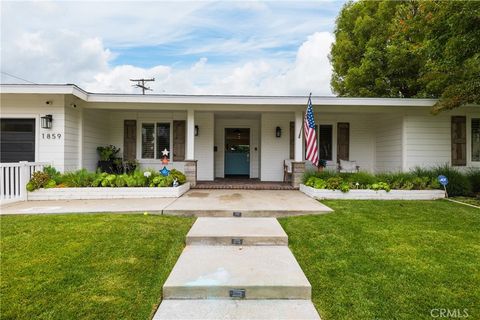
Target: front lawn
87	266
390	259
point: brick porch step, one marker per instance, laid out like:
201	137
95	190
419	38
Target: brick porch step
237	231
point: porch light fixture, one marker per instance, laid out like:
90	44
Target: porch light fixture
196	131
278	132
46	121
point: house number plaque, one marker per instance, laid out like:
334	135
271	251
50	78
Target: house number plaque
51	136
237	293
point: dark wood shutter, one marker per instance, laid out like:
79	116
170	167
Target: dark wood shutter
129	139
343	141
292	140
459	141
179	128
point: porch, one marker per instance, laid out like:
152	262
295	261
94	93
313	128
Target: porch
243	184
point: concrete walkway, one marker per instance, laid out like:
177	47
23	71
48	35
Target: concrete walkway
195	202
219	279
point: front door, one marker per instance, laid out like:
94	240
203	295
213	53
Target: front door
237	152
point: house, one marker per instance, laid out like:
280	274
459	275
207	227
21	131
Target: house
213	136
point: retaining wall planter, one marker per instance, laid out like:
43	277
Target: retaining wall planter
107	193
366	194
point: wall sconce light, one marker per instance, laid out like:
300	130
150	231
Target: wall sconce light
278	132
196	131
46	121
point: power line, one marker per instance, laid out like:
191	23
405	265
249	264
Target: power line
13	76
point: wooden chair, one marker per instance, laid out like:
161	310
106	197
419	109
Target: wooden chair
287	169
346	166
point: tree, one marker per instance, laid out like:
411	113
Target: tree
408	49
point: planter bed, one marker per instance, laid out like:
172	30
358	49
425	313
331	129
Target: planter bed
366	194
107	193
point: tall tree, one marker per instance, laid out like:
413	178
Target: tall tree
408	49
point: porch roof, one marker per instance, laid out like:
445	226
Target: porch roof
208	99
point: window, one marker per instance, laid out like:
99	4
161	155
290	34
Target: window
475	139
155	138
325	142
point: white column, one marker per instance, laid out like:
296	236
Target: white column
298	136
190	154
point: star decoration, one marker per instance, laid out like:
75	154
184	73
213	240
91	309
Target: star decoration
165	152
165	172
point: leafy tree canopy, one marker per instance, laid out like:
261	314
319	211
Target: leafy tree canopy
421	49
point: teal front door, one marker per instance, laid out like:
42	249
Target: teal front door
237	152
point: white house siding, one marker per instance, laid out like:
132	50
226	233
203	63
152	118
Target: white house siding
274	150
72	134
388	142
237	122
111	125
362	137
33	107
96	131
428	137
204	145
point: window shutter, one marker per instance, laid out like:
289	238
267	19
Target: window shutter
343	141
179	140
129	139
459	141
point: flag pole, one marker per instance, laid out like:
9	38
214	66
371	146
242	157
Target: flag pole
301	128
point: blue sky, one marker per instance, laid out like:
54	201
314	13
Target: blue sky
228	47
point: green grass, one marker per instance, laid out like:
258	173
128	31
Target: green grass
87	266
390	259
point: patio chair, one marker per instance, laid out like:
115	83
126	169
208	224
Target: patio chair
287	169
346	166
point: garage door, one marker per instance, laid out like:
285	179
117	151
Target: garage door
17	141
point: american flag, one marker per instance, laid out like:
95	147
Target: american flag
310	135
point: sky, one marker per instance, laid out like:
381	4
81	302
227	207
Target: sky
189	47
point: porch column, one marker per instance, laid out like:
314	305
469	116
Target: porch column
298	166
190	154
190	162
298	137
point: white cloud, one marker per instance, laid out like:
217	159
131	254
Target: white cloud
53	42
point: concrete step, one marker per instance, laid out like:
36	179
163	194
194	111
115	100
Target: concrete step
250	203
236	309
264	272
237	231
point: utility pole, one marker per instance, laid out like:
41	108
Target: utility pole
141	84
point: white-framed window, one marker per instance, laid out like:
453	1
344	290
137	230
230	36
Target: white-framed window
475	137
155	137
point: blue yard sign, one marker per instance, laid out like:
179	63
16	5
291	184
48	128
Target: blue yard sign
443	181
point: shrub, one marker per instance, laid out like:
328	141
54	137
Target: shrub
53	174
39	180
79	178
334	183
473	175
458	182
181	178
380	186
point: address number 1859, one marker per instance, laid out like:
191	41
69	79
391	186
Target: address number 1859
51	136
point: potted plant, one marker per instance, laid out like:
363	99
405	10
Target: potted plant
130	165
321	164
108	156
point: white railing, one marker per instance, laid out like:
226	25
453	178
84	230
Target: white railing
14	178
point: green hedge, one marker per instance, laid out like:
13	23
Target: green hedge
51	178
460	183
